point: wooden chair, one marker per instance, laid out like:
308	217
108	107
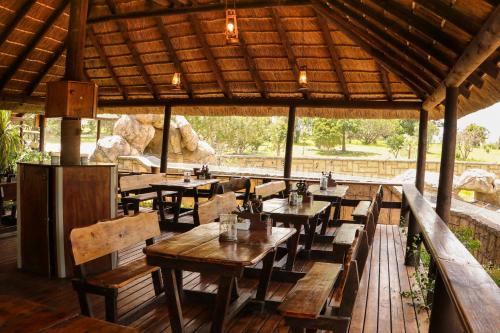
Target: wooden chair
140	185
237	185
210	211
304	307
270	189
104	238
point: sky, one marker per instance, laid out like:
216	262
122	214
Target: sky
489	118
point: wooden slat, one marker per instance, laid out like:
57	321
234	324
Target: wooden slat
386	83
102	238
371	317
20	13
135	182
83	324
206	212
396	314
268	189
361	208
46	68
28	48
308	296
210	58
346	233
252	67
123	275
384	300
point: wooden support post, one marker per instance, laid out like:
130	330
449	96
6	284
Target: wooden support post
41	127
71	127
164	142
444	313
422	151
287	172
98	131
443	202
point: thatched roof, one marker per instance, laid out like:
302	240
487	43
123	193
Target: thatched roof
370	51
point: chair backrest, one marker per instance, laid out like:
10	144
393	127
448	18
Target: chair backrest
102	238
235	185
268	189
361	252
210	211
379	197
129	183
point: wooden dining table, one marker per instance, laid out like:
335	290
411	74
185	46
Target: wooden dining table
332	194
304	215
181	187
200	250
24	316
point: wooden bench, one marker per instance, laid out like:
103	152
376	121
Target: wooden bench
365	216
237	185
104	238
270	189
305	306
135	189
210	211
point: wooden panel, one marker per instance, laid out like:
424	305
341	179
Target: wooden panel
346	233
123	275
207	212
71	99
361	208
86	200
82	324
268	189
226	203
135	182
308	296
34	198
8	191
106	237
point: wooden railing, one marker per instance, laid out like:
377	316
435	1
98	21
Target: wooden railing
465	297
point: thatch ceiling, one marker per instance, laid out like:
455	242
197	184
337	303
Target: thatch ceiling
370	50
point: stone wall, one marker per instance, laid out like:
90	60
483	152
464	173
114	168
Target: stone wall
349	166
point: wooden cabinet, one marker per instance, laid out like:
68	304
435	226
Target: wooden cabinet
71	99
53	200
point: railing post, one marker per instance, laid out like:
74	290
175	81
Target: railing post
412	257
444	316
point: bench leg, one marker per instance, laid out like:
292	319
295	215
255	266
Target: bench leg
326	220
85	305
125	208
111	300
221	304
155	276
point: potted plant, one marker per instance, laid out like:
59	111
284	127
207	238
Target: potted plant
10	141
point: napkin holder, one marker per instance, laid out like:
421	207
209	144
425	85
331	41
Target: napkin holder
256	222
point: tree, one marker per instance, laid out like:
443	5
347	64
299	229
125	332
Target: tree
326	133
408	126
432	131
469	138
370	130
277	134
395	143
347	127
10	141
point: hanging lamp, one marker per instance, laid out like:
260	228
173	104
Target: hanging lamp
231	26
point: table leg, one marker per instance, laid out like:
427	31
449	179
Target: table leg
338	205
161	205
173	301
195	195
180	284
222	303
326	219
177	206
313	223
265	275
292	245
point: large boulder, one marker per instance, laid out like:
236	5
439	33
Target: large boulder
189	136
109	148
203	154
157	121
477	180
138	135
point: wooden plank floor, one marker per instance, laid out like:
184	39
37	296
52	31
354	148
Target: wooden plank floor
379	306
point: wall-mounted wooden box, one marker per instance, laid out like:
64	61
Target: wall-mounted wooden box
72	99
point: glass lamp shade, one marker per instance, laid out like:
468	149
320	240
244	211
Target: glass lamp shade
176	80
303	78
231	27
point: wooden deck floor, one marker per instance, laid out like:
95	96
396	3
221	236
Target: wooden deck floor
379	305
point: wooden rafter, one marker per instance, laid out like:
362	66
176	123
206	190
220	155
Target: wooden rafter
385	82
424	26
210	57
12	69
23	10
133	50
482	46
292	60
105	60
428	71
420	88
252	68
452	15
46	68
333	54
171	52
168	11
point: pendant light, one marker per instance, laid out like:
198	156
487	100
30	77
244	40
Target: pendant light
303	83
231	26
176	80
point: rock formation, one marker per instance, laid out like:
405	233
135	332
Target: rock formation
142	134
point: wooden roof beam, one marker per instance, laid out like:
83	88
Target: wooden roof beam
167	11
105	60
333	54
282	102
385	82
252	68
210	57
357	36
133	50
292	61
46	68
171	52
482	46
12	69
452	15
428	71
23	10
